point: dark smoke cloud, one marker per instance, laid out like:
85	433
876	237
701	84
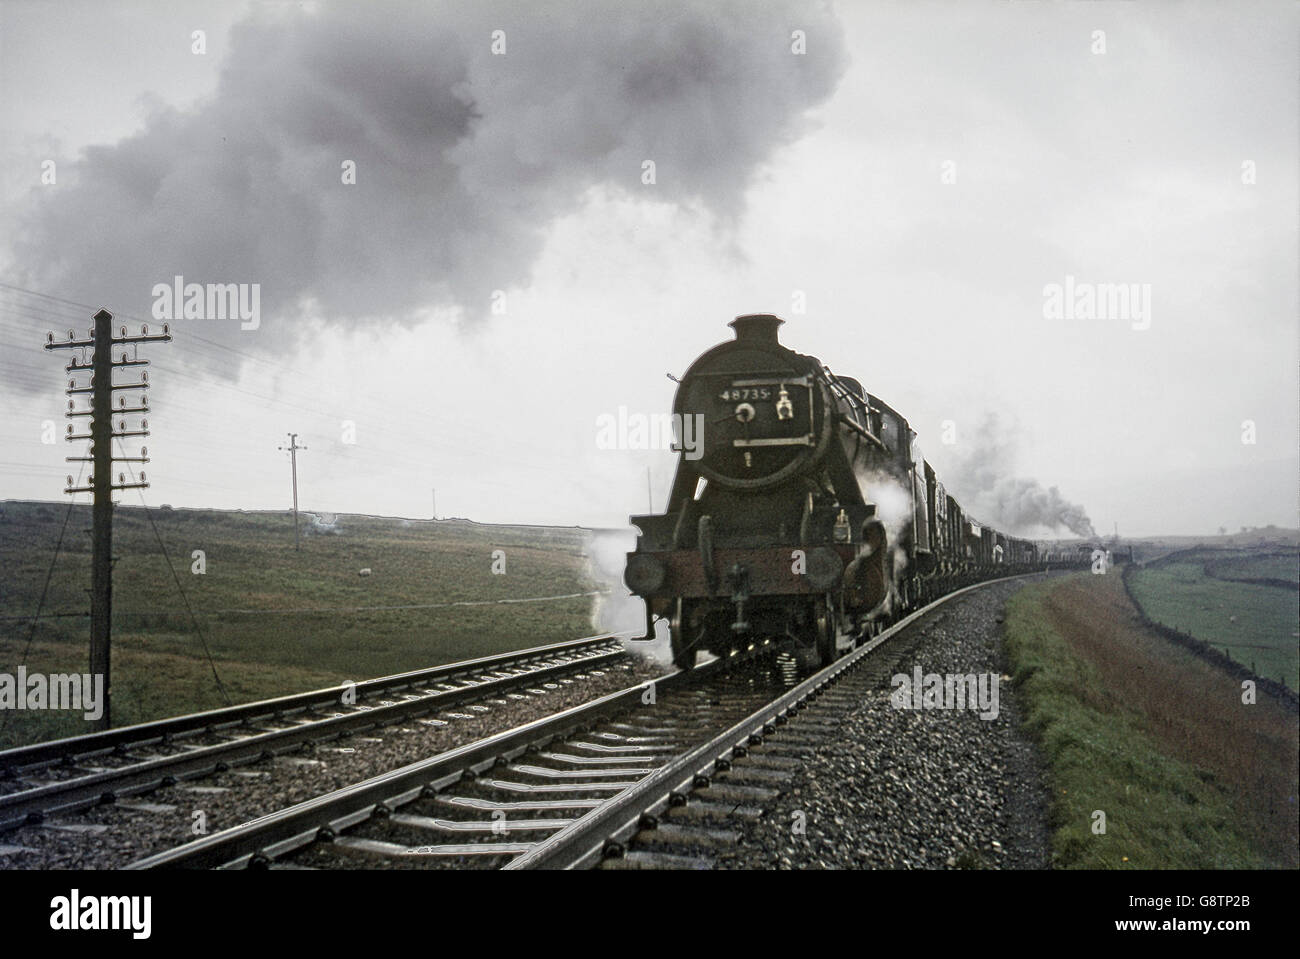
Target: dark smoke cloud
464	159
984	485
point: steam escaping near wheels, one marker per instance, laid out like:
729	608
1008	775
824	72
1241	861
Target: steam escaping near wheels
617	610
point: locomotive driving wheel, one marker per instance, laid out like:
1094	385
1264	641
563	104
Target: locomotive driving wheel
684	647
827	627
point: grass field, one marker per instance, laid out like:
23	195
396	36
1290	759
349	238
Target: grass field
1254	624
276	620
1136	727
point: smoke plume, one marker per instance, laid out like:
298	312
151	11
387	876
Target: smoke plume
468	144
985	487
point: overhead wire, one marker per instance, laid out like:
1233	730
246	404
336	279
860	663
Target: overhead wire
45	589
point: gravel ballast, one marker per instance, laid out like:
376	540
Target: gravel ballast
901	788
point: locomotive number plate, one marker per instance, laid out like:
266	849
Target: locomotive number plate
737	394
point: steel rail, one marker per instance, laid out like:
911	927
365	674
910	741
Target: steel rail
33	805
583	843
260	841
161	731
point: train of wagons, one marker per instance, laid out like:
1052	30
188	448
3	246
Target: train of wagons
803	510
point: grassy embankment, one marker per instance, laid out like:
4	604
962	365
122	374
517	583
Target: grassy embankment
159	666
1187	775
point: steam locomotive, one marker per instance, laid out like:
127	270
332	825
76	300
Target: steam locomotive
804	511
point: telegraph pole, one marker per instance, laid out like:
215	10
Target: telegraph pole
293	449
101	458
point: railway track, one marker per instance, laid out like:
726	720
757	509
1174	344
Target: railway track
644	777
75	773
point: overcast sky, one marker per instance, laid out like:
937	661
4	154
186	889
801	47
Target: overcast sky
901	192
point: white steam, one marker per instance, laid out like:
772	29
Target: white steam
616	610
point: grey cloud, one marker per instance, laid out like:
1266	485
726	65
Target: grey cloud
464	159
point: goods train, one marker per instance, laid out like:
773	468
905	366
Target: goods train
804	510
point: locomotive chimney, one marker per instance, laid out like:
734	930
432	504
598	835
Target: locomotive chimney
756	328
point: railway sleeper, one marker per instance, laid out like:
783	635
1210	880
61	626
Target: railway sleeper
546	772
702	810
360	846
724	792
639	859
755	776
532	805
506	785
686	837
491	827
661	756
623	750
769	761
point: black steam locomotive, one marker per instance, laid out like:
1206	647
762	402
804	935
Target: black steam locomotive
803	510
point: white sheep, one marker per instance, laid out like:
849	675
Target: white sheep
364	572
